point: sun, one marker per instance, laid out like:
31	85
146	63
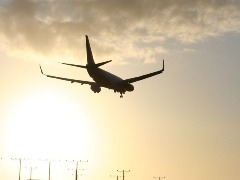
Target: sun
46	124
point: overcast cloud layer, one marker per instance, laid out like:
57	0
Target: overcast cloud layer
133	29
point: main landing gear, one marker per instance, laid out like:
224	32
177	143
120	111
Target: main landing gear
121	93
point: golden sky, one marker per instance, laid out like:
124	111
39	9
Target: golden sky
183	124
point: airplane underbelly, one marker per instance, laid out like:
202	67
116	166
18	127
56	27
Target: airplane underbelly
105	79
102	81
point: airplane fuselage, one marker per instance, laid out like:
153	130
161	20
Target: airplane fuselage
109	80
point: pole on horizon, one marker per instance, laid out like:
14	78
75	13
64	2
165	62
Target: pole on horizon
31	168
49	167
159	178
123	171
20	165
116	176
76	170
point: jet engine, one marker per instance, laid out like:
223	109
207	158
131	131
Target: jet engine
95	88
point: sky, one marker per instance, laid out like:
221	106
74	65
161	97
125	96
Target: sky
183	124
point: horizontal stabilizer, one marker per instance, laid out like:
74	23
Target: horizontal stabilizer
76	65
102	63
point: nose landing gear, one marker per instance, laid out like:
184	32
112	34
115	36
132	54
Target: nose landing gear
121	94
120	91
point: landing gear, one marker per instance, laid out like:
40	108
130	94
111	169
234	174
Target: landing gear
121	91
121	96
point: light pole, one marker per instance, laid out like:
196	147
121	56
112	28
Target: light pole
159	178
76	175
20	166
123	171
76	170
49	170
31	168
49	167
116	176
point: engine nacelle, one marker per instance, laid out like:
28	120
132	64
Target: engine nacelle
95	88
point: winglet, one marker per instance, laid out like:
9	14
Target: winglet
41	69
163	65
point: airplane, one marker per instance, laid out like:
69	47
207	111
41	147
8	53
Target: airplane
103	78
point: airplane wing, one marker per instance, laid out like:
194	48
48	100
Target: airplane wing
139	78
67	79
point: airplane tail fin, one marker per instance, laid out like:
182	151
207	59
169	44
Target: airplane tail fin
90	60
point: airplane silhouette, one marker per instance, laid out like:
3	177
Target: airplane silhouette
103	78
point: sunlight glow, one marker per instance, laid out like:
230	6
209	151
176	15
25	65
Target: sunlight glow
49	125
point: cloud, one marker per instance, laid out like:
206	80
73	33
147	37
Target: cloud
56	28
